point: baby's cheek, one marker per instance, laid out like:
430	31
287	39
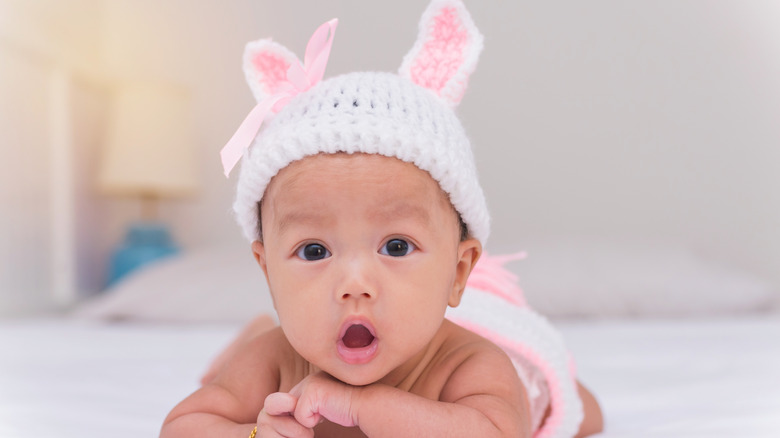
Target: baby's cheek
306	330
420	321
302	343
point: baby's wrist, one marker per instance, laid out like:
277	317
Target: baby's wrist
357	401
364	398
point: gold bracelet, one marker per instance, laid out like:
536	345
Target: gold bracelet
254	432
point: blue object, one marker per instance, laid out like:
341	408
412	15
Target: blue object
144	243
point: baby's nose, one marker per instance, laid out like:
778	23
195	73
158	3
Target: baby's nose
356	294
356	282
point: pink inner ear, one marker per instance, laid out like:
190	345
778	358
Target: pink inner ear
442	53
272	70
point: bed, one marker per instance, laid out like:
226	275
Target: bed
117	365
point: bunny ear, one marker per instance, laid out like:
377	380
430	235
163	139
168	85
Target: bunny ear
446	51
265	67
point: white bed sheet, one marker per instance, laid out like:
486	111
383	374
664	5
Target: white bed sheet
65	378
674	378
682	378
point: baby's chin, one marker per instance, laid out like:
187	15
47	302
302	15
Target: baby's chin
354	379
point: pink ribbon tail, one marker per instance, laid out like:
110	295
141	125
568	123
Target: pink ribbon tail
245	133
318	50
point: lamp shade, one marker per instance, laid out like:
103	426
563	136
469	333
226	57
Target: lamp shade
149	149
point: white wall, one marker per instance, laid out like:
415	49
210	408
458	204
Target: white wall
621	120
24	184
607	118
48	90
637	118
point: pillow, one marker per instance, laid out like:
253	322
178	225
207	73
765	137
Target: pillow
597	278
207	285
563	278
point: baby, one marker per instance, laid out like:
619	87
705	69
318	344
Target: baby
361	200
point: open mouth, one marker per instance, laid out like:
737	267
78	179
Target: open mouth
357	336
358	343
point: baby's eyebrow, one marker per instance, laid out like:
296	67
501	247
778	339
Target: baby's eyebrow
405	210
394	211
298	217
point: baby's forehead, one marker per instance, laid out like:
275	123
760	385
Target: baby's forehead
367	171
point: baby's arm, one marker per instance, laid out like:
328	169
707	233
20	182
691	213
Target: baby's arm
210	411
476	401
230	403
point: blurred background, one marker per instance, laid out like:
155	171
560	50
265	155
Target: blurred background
628	124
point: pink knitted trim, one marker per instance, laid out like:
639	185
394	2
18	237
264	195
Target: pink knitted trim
442	54
272	68
552	422
490	276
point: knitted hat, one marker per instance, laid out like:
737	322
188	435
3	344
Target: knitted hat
408	116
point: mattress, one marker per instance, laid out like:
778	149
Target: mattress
667	378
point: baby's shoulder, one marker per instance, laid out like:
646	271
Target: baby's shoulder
278	356
271	347
461	345
473	364
265	363
261	356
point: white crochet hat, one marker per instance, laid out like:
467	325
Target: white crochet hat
408	116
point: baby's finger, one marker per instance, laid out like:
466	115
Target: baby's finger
307	414
297	390
279	403
282	426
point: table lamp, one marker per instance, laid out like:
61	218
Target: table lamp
149	156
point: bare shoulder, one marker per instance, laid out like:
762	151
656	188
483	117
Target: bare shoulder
238	391
482	376
258	363
475	363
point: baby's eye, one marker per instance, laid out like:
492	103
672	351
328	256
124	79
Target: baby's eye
312	252
397	248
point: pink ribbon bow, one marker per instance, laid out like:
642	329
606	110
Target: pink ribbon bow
299	79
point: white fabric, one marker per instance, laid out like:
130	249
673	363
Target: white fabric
399	116
453	89
372	113
527	336
536	388
682	378
212	285
665	378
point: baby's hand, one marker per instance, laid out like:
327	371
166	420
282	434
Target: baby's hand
321	396
276	419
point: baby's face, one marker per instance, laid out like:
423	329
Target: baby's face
362	255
